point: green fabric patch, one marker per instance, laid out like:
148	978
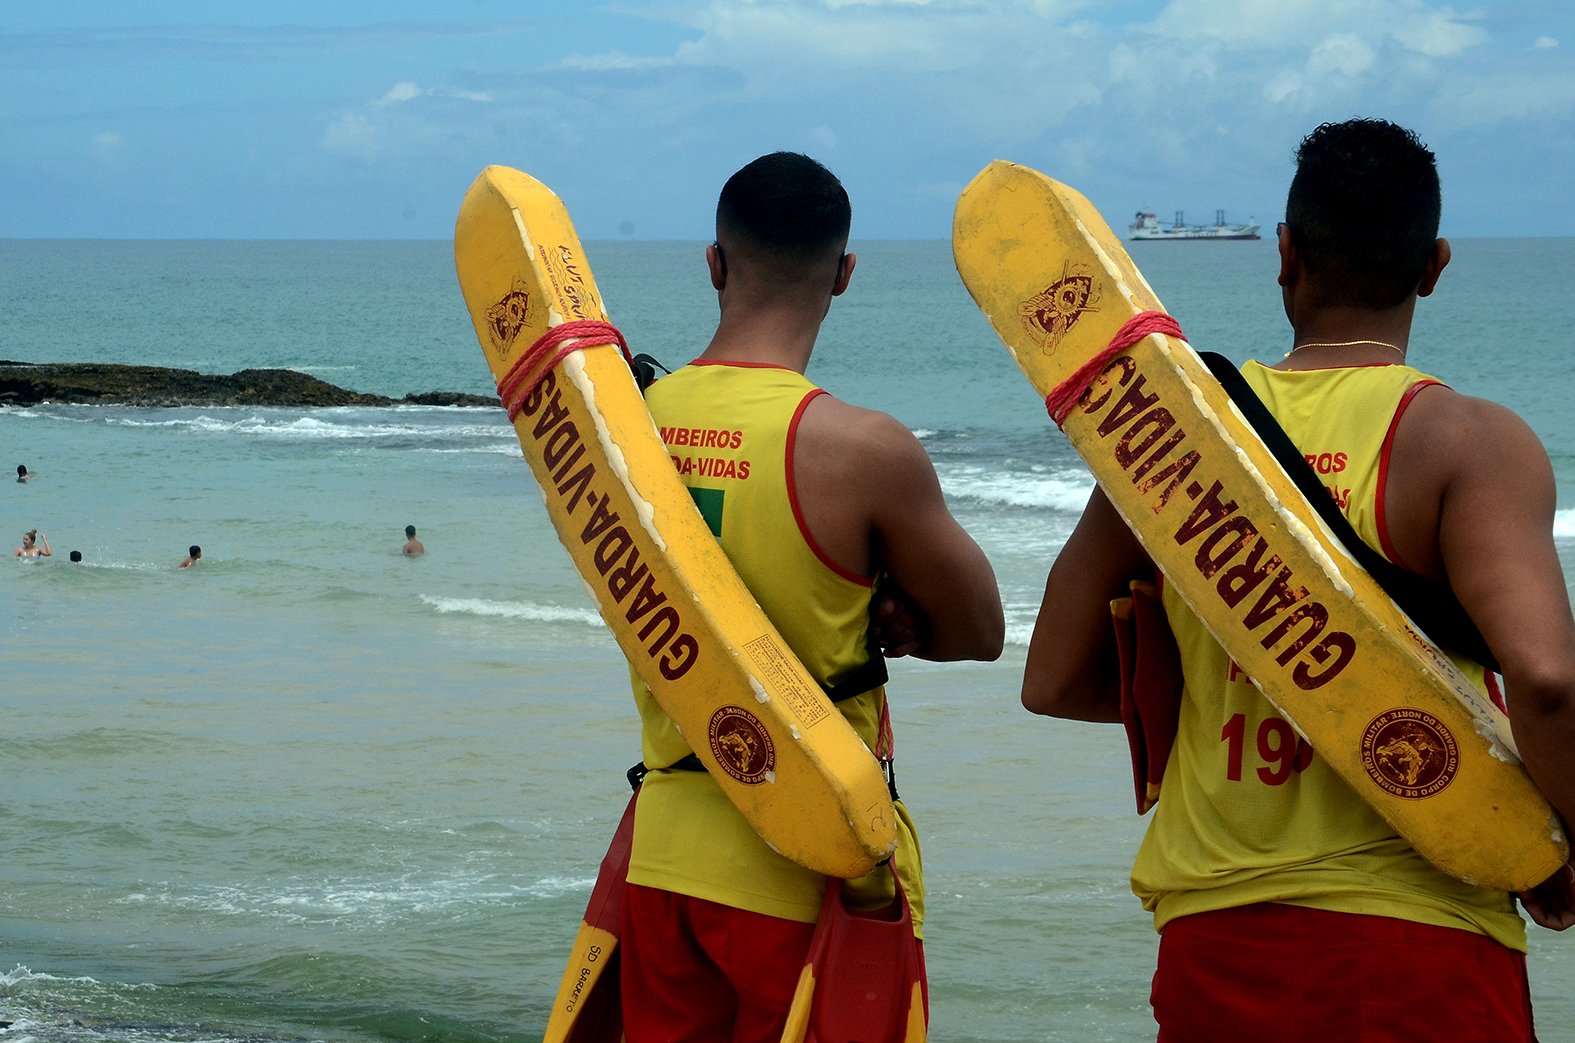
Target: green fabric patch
710	503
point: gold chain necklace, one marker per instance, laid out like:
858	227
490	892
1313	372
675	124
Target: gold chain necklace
1346	344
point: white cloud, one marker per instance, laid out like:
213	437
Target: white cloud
820	139
1294	24
386	125
1210	93
611	61
798	37
405	91
1249	23
399	92
1438	34
109	145
1282	86
1507	97
353	135
1345	54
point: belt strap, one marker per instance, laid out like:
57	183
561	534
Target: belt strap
865	677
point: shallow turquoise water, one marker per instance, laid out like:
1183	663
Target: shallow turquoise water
312	790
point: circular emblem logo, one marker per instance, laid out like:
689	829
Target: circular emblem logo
741	745
1409	753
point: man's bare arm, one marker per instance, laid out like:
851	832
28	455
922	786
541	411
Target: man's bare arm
933	562
1495	537
870	497
1072	669
1493	497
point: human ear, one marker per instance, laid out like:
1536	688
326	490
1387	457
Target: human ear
1436	263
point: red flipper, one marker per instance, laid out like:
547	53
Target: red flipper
587	1008
864	982
1151	683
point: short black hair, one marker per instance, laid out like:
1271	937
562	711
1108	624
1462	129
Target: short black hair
1363	209
786	205
195	551
76	555
410	532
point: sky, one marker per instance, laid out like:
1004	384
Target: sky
341	119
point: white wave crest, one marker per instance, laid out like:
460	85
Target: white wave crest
1018	635
514	610
1059	491
557	886
315	428
1564	524
20	974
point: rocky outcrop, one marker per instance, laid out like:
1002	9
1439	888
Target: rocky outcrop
92	383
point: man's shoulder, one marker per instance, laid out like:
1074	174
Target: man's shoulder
1465	423
827	417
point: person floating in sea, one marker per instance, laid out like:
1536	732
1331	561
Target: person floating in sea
825	499
34	545
1288	908
413	547
193	555
76	556
22	473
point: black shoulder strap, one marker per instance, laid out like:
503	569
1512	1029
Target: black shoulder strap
868	675
1432	606
645	367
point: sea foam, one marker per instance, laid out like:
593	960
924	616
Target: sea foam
513	610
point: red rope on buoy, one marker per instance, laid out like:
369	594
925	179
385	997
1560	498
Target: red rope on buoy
529	370
1060	401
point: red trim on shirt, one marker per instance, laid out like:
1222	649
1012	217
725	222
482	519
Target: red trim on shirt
740	364
1325	369
1383	468
792	491
1495	690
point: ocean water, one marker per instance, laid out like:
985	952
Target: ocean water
310	790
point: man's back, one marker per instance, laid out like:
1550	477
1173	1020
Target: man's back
815	502
1251	813
1461	492
732	433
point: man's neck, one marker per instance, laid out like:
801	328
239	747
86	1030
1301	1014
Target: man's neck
1346	336
779	337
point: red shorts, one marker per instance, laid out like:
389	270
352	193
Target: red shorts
702	972
1298	975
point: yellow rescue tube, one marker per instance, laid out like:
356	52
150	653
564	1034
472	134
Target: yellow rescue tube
759	723
1321	639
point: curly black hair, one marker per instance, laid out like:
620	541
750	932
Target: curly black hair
1363	209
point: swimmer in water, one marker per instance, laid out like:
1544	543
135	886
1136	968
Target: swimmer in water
33	546
413	547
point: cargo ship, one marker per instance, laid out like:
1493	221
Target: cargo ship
1146	226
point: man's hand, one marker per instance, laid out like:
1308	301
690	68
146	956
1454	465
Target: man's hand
897	623
1551	904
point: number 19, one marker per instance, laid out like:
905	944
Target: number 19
1280	749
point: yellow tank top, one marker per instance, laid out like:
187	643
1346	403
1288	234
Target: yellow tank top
1248	811
730	431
